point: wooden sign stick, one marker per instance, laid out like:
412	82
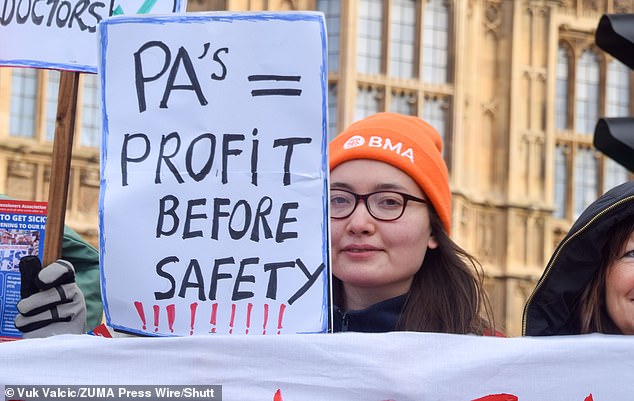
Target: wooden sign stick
60	165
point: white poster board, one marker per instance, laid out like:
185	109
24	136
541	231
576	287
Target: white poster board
61	34
338	367
213	196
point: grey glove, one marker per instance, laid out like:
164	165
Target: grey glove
57	308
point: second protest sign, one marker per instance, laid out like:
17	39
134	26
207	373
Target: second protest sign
213	197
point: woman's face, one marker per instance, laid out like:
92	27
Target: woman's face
376	260
619	289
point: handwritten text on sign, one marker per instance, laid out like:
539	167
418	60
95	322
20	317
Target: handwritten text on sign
214	174
61	34
51	34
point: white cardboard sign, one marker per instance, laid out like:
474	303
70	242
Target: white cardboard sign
213	196
62	34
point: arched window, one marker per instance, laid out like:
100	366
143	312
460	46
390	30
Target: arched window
585	180
561	95
435	113
52	90
91	112
368	102
561	181
332	110
435	42
613	175
617	103
403	38
369	43
23	102
330	8
587	92
403	102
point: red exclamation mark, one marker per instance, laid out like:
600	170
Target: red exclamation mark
266	318
280	317
212	321
497	397
171	316
192	316
156	317
278	395
249	308
233	317
139	308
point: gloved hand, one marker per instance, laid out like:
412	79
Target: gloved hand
52	303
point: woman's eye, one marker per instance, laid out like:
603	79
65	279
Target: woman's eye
629	254
390	202
339	201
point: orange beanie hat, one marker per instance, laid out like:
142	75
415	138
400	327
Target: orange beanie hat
407	143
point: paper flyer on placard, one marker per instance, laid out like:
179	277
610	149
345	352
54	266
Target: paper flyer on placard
22	226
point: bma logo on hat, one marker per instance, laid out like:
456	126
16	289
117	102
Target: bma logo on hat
354	142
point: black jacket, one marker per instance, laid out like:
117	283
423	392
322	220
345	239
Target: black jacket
378	318
574	263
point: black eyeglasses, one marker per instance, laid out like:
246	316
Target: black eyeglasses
382	205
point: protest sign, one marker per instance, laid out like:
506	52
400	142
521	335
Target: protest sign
22	225
62	34
214	194
338	367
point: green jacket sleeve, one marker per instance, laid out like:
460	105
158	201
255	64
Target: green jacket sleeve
85	259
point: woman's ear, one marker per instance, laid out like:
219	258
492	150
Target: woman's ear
431	242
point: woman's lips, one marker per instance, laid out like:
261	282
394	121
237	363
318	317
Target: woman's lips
360	248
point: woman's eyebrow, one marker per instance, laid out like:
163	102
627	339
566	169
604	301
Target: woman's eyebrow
389	187
377	187
340	185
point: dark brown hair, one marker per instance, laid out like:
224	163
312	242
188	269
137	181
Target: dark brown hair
590	308
447	294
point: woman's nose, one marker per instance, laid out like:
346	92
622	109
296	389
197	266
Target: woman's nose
361	221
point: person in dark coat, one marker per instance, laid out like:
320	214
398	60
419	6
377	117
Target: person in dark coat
588	284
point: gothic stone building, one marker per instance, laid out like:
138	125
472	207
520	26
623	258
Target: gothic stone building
514	86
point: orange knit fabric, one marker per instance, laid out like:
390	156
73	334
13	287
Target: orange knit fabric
407	143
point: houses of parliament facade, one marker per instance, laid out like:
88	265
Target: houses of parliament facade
515	88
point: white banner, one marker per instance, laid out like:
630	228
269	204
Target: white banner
345	366
213	194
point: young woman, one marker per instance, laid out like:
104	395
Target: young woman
588	285
395	266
